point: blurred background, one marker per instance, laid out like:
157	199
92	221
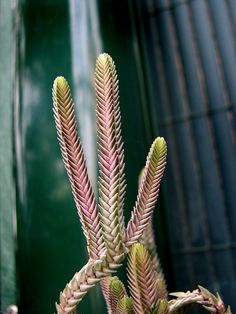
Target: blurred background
176	62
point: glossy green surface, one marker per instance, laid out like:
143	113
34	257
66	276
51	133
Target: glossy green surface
7	247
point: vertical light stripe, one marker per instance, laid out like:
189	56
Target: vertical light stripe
7	265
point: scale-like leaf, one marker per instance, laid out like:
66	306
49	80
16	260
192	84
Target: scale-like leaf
74	162
83	281
148	191
113	291
142	279
212	303
124	306
105	232
104	284
110	153
148	240
116	292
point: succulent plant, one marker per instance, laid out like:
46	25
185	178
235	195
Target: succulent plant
109	241
148	290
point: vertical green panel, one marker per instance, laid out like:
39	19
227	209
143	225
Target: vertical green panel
7	264
51	244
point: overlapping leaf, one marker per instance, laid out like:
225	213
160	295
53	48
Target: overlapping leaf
142	279
125	306
148	240
110	154
74	161
116	292
212	303
148	191
105	231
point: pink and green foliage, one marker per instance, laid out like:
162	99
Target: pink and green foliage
115	292
148	290
142	279
109	241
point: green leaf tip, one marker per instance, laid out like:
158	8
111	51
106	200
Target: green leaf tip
115	284
159	145
116	293
138	248
161	307
111	179
125	306
142	278
59	82
148	191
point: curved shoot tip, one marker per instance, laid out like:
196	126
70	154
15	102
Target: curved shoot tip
103	58
148	191
59	81
138	250
159	143
125	305
136	247
158	148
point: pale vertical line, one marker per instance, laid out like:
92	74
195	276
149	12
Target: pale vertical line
95	27
85	46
